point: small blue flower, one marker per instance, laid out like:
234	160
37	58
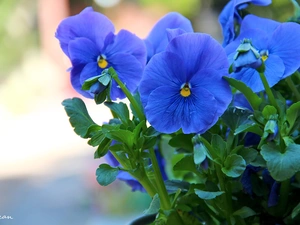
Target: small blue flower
89	41
182	87
275	44
273	186
157	39
246	178
230	15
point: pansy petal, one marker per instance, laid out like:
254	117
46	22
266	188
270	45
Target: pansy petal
172	33
167	111
75	80
274	69
158	34
199	111
159	71
82	51
129	71
204	52
250	77
254	22
88	23
164	109
126	42
261	2
90	70
213	81
285	43
226	19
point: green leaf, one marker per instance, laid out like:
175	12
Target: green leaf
292	115
96	138
269	111
235	117
282	165
296	211
120	109
186	164
219	146
249	127
154	205
136	96
252	98
182	141
244	212
105	78
88	83
207	195
234	165
137	130
102	148
259	161
106	174
199	153
101	97
123	136
78	116
248	154
174	185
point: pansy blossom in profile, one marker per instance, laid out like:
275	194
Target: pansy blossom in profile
262	40
89	41
230	15
157	40
183	88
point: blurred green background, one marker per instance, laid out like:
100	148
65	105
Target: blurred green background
47	173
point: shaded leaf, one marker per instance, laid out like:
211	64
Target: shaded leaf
296	211
120	109
106	174
234	165
78	116
208	194
244	212
252	98
282	165
154	205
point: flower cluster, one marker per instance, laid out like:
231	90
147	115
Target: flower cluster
213	135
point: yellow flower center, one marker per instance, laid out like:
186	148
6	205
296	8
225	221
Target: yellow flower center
185	90
102	63
264	57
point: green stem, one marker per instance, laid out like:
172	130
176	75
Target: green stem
284	196
161	188
132	100
211	212
227	193
144	180
292	86
269	91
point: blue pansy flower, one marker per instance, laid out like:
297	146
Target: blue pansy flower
157	40
89	41
264	40
230	15
183	88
